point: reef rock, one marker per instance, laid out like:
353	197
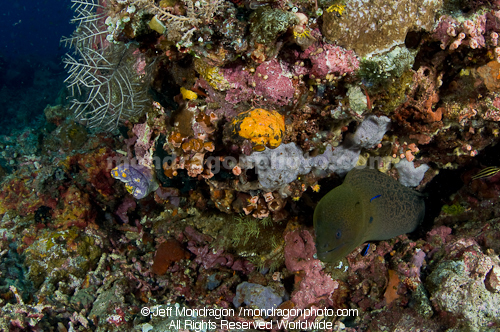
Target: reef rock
458	289
370	27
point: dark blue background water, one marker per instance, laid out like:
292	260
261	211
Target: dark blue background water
31	71
31	27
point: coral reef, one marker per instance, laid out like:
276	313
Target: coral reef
182	177
459	286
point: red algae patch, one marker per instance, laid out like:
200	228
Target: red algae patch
168	252
392	288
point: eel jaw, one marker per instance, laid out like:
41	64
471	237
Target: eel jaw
322	253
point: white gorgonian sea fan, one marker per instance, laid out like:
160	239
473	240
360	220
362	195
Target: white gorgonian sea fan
102	77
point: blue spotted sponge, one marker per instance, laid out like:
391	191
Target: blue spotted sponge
139	180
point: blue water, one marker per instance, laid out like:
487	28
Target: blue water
31	71
34	27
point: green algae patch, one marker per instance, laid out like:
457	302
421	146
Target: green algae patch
394	92
453	210
56	254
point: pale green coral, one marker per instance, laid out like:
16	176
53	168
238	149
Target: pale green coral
357	99
377	69
267	24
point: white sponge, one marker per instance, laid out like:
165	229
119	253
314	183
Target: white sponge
409	175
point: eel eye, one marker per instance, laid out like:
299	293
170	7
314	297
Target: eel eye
338	235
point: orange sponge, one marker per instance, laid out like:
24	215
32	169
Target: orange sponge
263	128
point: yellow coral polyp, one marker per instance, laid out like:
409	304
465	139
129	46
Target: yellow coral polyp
304	34
188	94
261	127
212	75
338	8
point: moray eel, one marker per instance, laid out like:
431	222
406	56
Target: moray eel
369	205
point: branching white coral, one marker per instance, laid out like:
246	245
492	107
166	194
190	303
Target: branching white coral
105	86
180	28
89	18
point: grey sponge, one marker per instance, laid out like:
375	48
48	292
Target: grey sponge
409	175
371	131
256	295
278	167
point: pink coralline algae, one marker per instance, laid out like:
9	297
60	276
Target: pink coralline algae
140	64
270	81
315	285
273	82
438	235
213	258
225	103
476	33
143	143
299	250
493	114
209	258
330	59
240	90
417	262
128	204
